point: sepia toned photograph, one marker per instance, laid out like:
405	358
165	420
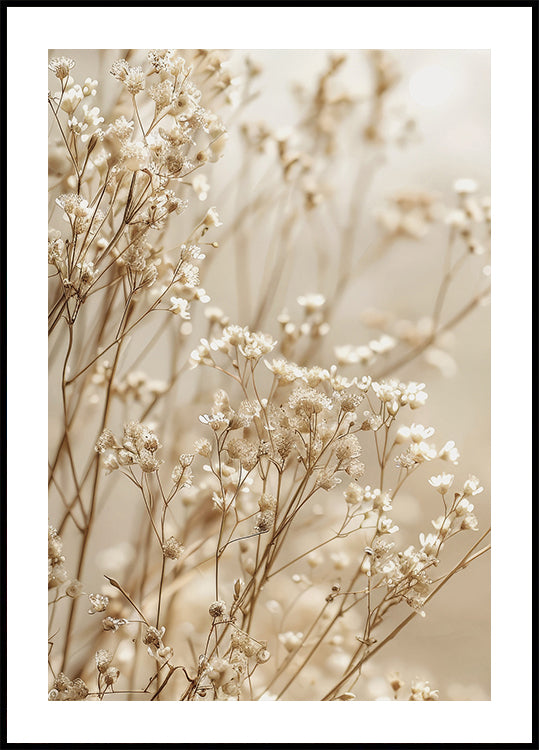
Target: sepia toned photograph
277	426
269	375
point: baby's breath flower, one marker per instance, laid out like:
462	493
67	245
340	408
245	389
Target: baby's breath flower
89	88
212	218
216	421
122	128
326	479
465	186
162	94
469	522
65	689
312	302
111	463
201	186
395	682
111	675
71	99
256	345
180	306
429	543
105	441
120	69
442	482
386	526
421	691
290	640
61	66
472	486
243	642
449	453
74	588
172	548
111	623
148	462
347	447
202	447
305	401
442	525
414	395
217	608
353	494
417	433
134	155
160	59
264	522
99	603
103	659
286	372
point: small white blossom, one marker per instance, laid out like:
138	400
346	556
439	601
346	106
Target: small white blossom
201	186
442	482
472	486
449	453
312	302
465	186
180	306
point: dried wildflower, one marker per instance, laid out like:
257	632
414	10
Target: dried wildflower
180	307
152	636
105	441
305	401
386	525
71	99
65	689
327	479
99	603
449	452
255	345
217	608
103	659
224	676
211	219
202	447
442	482
57	572
74	588
123	129
111	675
353	494
243	642
395	682
134	156
416	433
469	523
421	691
472	487
355	469
172	548
347	447
312	302
291	641
162	94
244	451
160	59
113	624
264	522
61	66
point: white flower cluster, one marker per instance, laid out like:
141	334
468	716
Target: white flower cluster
233	338
138	446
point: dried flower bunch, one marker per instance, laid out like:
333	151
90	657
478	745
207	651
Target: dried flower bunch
225	488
